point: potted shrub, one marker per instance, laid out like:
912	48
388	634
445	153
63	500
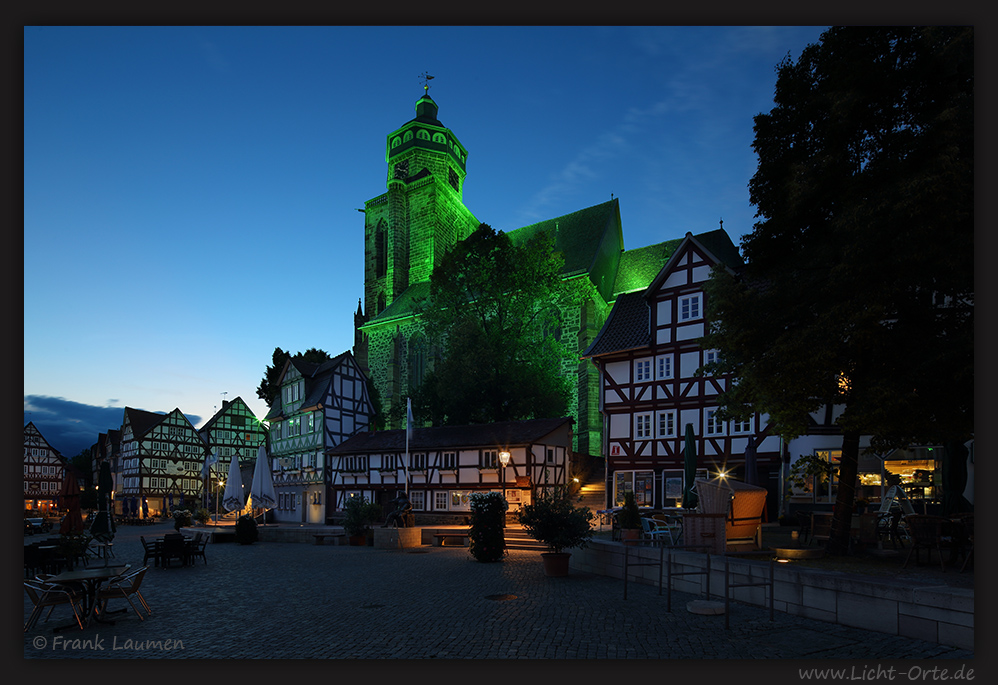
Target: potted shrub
629	520
181	518
359	515
553	519
246	532
488	516
202	516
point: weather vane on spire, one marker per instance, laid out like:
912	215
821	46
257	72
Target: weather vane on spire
426	82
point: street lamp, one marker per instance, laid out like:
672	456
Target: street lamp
504	460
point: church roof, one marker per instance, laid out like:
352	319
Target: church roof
404	305
639	267
578	236
626	327
505	433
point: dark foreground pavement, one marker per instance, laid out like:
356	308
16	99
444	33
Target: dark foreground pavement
300	601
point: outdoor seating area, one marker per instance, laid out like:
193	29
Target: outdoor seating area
175	547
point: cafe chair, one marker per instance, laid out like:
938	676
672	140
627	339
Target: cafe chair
929	533
198	547
43	594
151	551
174	547
124	587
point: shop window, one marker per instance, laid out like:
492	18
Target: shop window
641	483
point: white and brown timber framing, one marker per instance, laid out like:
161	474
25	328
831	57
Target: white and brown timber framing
648	355
44	469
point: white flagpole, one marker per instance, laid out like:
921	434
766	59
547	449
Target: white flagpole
408	435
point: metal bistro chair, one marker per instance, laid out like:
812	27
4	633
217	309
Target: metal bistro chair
929	533
151	551
44	594
174	547
125	587
656	530
198	547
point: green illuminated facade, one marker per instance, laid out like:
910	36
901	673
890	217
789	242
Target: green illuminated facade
409	228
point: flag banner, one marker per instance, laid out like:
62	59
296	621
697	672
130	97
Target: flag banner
408	419
208	461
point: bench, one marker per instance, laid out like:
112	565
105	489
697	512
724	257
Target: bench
440	537
320	537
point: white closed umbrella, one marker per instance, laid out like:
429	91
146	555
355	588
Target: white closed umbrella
262	490
233	498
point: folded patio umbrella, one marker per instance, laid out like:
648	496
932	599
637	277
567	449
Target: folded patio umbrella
233	498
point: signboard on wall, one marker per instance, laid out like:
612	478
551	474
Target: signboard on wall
523	481
615	450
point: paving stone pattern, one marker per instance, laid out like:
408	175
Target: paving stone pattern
296	600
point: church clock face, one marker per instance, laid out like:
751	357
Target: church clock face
401	171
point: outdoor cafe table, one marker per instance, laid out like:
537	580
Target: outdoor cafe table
90	579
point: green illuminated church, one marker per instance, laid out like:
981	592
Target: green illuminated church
409	228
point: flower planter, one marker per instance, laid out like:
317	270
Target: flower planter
630	536
555	563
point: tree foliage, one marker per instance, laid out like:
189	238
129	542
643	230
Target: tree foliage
858	284
491	304
268	390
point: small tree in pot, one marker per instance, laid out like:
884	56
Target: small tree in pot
629	519
359	514
246	532
553	518
488	515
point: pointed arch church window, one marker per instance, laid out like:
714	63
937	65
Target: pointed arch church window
380	251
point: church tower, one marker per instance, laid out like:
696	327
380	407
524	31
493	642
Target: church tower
407	231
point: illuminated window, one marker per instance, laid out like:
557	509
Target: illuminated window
689	307
641	483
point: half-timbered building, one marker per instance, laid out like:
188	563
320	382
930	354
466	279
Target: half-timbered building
107	448
160	463
320	406
441	467
649	359
234	432
44	471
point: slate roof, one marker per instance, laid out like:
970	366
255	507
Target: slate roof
577	235
626	328
142	421
720	245
638	267
405	304
316	377
506	433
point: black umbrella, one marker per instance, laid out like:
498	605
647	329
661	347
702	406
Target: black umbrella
103	527
70	499
751	471
690	469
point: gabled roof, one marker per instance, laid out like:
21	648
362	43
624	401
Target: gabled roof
628	327
715	243
226	405
317	378
141	421
506	434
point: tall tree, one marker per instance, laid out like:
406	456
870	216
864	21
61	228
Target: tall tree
858	286
491	303
268	389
